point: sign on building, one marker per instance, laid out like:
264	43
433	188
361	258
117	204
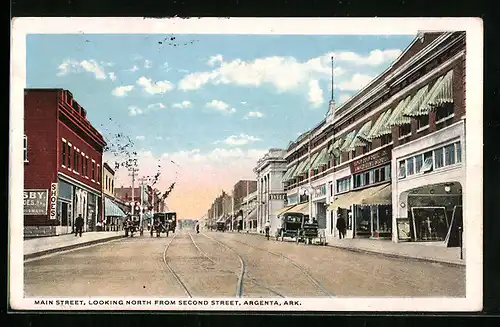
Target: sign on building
373	160
277	196
53	201
35	202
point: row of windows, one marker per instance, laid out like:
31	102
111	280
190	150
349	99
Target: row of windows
78	162
373	176
109	184
425	162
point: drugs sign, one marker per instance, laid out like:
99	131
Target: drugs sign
35	202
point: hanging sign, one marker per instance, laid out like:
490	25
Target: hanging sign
53	201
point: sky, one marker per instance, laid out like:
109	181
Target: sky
202	109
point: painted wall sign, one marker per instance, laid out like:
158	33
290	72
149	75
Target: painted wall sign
53	201
35	202
278	196
373	160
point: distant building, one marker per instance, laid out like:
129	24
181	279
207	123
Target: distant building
241	190
113	214
62	164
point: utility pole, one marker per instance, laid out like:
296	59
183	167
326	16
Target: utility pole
133	172
309	178
232	210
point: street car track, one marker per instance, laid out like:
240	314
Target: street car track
243	272
185	289
299	266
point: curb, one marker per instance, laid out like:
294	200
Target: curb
70	247
400	256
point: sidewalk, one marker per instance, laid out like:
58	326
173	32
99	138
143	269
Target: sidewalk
36	247
419	251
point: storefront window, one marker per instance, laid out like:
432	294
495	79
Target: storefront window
65	190
430	224
438	158
384	219
363	221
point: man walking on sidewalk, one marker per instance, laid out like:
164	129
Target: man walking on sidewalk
79	225
341	225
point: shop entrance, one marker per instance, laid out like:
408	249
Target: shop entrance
64	215
435	213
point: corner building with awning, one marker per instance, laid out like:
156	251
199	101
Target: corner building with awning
390	160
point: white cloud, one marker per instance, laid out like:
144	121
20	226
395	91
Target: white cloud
74	66
374	58
243	102
183	104
315	94
154	87
357	82
220	106
141	138
148	64
159	138
135	111
122	90
133	69
112	76
241	139
158	105
254	114
214	60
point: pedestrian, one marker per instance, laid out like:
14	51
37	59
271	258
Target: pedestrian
341	225
267	226
79	225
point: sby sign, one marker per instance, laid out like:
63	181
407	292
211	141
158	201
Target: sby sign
35	202
53	201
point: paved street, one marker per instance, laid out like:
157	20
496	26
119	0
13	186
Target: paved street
231	264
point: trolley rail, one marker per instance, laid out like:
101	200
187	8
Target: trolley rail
300	267
243	272
185	289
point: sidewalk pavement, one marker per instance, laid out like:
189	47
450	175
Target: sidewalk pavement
36	247
411	250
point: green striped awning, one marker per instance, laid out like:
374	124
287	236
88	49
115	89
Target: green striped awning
441	92
289	172
111	209
321	159
299	169
309	163
416	102
361	136
397	118
348	140
378	124
147	216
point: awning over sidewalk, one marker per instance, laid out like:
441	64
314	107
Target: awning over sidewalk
252	215
111	209
381	195
302	208
377	195
284	209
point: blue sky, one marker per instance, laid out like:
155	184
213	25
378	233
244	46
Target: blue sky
210	96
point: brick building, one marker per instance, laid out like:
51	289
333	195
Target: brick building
390	159
241	190
62	164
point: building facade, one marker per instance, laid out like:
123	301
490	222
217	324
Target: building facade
270	193
113	214
249	212
62	164
390	159
241	190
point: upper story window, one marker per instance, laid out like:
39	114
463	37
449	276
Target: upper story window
344	184
63	153
423	121
93	171
404	130
351	154
367	148
376	175
25	148
75	161
386	139
112	186
98	174
87	167
444	112
69	156
425	162
83	164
